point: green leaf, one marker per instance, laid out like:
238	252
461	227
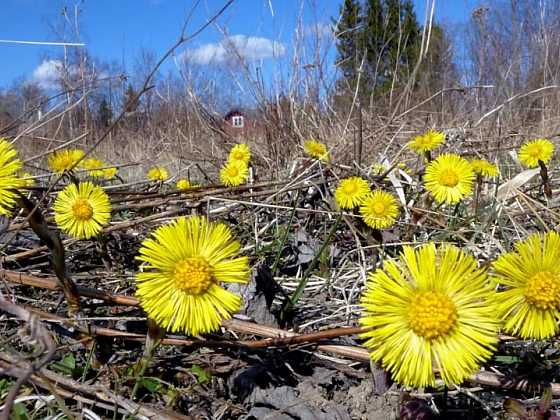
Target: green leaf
151	384
67	365
4	386
19	412
506	359
202	376
70	361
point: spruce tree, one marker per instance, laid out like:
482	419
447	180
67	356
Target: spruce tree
374	35
104	114
350	42
388	33
130	102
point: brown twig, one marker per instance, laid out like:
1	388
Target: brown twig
54	244
276	336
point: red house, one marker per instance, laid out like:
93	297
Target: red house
237	123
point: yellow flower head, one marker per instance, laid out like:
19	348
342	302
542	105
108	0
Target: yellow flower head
240	152
92	165
484	168
529	279
316	149
183	184
351	192
427	142
379	209
158	173
64	160
234	173
429	309
185	262
449	178
9	182
110	173
82	211
535	150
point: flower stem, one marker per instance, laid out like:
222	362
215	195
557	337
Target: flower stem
545	180
477	188
153	339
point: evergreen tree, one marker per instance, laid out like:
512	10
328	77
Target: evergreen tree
350	42
130	102
104	114
374	34
389	35
403	44
438	70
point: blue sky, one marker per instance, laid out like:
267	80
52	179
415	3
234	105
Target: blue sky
117	30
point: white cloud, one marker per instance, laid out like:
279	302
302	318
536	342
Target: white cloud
47	74
248	47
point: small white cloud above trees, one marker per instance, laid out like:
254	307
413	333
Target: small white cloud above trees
234	47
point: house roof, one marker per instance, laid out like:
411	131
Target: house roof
233	112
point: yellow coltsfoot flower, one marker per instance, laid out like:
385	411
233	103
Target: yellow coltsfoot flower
379	209
351	192
82	211
93	166
9	181
427	142
234	173
316	149
158	173
64	160
449	178
528	278
534	150
110	173
484	168
183	184
430	309
241	153
185	262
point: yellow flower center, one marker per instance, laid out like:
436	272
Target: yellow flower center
316	149
82	209
448	178
535	151
238	155
378	207
425	141
432	315
232	172
350	188
193	275
543	290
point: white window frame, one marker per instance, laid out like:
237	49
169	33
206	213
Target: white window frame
237	121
